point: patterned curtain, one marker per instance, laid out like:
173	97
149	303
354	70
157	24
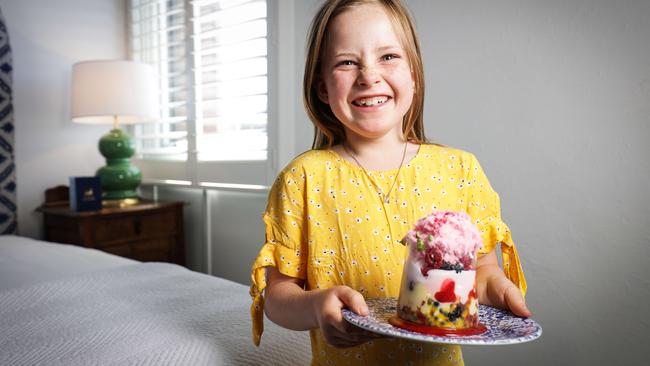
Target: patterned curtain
8	223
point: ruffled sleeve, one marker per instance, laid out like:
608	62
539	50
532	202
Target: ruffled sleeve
284	247
485	209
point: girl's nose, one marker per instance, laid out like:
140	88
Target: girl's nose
368	76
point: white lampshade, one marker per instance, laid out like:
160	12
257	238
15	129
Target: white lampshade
103	90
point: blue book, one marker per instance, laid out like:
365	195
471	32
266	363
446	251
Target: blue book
85	193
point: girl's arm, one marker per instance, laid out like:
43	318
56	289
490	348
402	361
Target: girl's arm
495	289
289	305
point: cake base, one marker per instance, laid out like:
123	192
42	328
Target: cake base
437	331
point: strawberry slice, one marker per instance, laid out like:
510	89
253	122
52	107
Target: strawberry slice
472	293
446	293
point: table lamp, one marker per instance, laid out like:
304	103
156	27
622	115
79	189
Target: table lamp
117	92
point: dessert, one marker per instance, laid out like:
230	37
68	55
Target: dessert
438	291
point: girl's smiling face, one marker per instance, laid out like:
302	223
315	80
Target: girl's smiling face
366	77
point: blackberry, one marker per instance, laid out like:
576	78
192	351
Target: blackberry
456	313
446	266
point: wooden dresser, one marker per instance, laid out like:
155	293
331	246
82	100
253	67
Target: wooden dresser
146	231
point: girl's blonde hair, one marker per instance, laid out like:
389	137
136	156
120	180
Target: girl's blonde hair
328	130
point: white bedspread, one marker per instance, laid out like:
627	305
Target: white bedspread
25	261
139	314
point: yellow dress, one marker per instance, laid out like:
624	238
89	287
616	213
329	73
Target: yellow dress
326	224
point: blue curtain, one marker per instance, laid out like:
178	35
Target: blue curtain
8	222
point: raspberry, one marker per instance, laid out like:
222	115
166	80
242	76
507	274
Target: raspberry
467	262
437	262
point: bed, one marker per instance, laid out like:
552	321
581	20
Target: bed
66	305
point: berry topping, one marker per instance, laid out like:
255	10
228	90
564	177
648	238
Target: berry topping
444	240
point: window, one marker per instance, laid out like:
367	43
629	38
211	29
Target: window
211	57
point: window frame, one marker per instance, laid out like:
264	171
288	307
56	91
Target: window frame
281	94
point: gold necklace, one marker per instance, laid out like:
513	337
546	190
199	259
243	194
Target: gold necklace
386	197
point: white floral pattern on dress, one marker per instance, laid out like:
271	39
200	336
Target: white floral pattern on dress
326	224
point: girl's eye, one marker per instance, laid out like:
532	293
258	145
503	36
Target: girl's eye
389	57
346	63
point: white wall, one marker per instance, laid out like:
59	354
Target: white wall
47	37
554	99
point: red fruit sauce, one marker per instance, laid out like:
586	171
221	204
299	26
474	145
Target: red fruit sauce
418	328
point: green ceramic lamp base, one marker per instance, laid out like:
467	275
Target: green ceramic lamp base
119	178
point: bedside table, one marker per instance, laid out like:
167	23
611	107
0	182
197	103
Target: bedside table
146	231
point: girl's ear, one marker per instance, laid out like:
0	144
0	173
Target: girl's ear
321	90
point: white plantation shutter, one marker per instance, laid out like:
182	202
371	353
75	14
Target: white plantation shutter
230	73
159	37
212	62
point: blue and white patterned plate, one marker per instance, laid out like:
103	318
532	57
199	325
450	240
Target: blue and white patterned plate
502	326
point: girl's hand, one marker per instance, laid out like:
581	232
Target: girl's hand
501	293
494	289
327	308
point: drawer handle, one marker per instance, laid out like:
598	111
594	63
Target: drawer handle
137	225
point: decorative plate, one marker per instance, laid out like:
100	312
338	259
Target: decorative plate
502	326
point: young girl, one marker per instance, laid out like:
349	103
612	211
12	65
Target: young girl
336	214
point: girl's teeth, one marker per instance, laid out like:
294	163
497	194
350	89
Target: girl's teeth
371	101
